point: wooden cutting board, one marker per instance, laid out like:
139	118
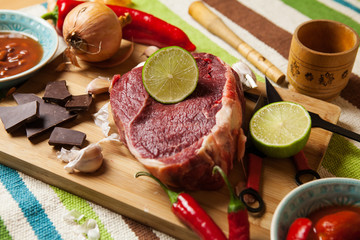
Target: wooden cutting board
114	186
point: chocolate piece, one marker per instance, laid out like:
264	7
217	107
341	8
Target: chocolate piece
66	137
57	92
79	103
50	115
14	117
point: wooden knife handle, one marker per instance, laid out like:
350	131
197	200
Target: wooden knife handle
216	26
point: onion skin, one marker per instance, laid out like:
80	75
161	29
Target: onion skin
92	31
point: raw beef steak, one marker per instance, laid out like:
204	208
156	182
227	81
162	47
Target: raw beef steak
180	143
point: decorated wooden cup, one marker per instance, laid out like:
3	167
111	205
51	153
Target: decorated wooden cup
321	58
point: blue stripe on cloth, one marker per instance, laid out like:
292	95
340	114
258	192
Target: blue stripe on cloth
349	5
30	206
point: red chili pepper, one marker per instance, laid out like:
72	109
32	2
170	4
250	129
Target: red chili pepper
299	229
238	219
144	28
190	212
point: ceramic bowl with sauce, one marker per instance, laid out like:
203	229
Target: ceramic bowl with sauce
312	196
35	28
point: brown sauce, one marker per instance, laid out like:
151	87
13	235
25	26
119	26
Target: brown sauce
18	53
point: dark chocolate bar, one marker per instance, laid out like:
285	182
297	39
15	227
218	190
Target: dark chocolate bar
16	116
66	137
79	103
57	92
50	114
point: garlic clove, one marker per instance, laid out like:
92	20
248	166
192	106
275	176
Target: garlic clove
98	85
89	159
150	50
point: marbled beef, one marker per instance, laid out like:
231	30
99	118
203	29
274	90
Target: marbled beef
180	143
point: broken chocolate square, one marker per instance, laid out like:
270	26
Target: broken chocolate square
57	92
16	116
66	137
79	103
50	115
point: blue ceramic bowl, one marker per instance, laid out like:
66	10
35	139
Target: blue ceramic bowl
35	27
311	196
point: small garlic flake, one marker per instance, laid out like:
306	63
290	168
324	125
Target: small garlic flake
73	215
101	119
98	85
91	229
68	155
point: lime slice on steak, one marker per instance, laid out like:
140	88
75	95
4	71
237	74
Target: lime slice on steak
170	74
280	129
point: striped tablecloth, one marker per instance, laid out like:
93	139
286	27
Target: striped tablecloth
30	209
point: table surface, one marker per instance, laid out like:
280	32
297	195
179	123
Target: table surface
37	212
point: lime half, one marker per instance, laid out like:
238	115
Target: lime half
280	129
170	74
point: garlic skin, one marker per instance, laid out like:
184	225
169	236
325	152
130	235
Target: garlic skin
98	85
87	160
247	77
150	50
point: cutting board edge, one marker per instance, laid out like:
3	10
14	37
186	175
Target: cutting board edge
174	229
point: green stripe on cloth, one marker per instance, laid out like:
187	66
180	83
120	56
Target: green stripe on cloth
203	43
4	233
322	11
341	158
71	202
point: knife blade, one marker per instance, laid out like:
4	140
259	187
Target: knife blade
316	120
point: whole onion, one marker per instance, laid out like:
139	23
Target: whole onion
93	32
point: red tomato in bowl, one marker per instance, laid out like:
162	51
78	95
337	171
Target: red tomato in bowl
339	226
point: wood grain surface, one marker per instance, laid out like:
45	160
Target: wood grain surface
114	186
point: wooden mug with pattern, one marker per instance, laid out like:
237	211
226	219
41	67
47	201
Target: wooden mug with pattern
321	58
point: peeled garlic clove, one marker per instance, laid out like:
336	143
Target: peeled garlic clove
89	160
98	85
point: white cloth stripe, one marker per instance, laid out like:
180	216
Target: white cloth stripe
342	9
113	223
13	217
163	236
354	2
349	117
52	206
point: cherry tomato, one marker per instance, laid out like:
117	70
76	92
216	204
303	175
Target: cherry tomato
341	225
299	229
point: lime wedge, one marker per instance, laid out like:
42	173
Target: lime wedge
170	74
280	129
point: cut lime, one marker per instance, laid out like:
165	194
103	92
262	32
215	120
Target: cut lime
170	74
280	129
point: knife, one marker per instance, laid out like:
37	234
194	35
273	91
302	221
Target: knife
316	120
